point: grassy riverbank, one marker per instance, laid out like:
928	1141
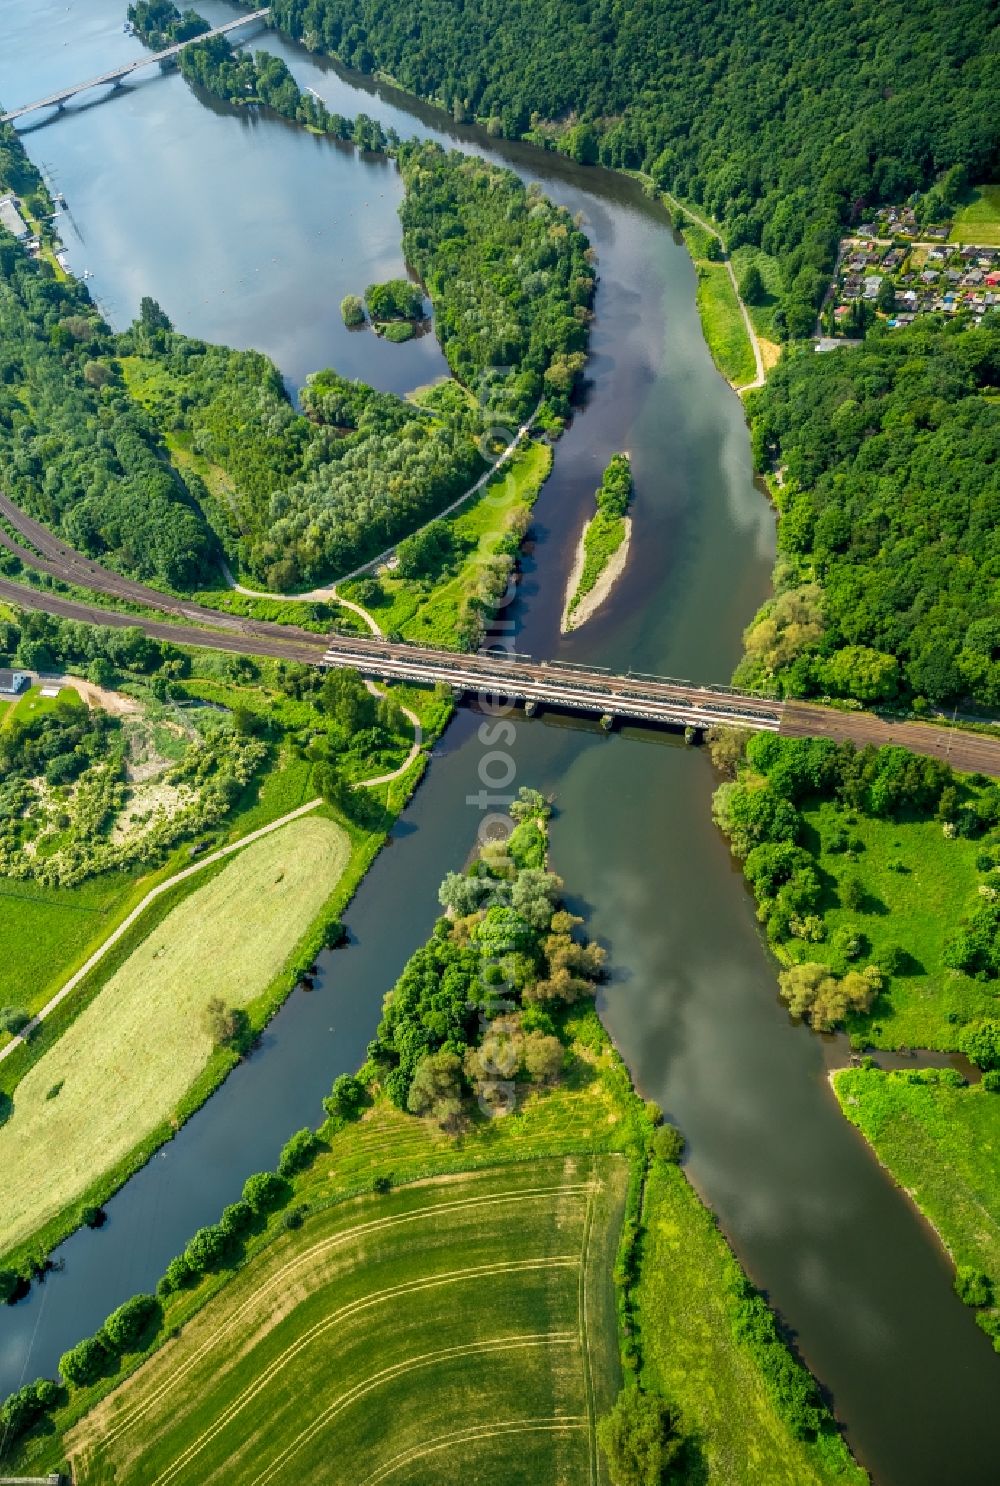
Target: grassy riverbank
689	1299
603	545
940	1140
448	605
845	850
463	1267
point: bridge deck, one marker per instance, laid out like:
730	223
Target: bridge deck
117	73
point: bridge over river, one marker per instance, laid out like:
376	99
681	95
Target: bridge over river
118	74
588	690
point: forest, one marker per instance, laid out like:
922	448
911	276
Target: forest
887	477
89	419
780	121
514	336
76	450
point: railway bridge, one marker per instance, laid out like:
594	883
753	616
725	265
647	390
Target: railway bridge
588	690
118	74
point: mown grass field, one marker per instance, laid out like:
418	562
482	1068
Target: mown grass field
917	885
508	1198
429	613
762	314
119	1070
722	322
688	1276
442	1331
31	705
943	1145
979	220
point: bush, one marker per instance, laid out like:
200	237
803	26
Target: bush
346	1098
85	1362
792	1387
972	1286
13	1019
991	1080
638	1439
207	1249
668	1143
125	1326
981	1042
236	1219
264	1191
298	1152
353	310
23	1409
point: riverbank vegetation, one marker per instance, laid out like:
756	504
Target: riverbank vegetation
939	1138
886	466
515	338
844	849
121	1069
150	449
603	537
450	579
709	1344
411	1186
754	117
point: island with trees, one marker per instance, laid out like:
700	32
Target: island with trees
603	547
493	1140
157	452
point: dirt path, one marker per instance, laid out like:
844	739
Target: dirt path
758	357
329	594
206	861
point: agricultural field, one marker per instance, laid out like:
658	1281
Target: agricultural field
687	1289
940	1139
461	1324
978	221
433	610
119	1071
48	931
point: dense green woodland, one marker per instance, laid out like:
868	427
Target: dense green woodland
509	275
779	118
889	537
88	419
75	450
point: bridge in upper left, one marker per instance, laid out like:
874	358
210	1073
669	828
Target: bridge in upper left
118	74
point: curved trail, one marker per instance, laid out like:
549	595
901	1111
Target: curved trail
206	861
761	376
329	591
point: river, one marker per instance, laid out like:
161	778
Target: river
250	231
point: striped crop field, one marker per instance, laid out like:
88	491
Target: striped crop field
458	1329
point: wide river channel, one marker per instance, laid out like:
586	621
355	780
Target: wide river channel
250	231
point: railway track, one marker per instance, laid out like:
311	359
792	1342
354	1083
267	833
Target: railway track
582	689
